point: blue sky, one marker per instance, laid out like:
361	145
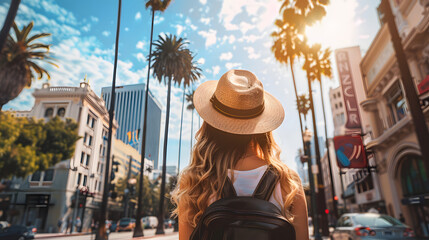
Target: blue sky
224	34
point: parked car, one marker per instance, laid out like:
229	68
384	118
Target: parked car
17	232
168	223
126	224
370	226
3	224
150	222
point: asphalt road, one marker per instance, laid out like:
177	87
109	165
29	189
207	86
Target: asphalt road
149	234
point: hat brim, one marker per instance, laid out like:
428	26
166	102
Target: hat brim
270	119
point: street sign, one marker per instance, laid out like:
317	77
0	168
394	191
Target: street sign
350	152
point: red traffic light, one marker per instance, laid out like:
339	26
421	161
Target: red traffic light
327	211
336	198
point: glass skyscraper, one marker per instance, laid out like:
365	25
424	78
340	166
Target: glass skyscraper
129	115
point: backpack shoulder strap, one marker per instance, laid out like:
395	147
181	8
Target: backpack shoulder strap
228	190
266	185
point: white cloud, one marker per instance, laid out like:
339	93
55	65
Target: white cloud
203	2
226	56
251	53
179	29
127	29
158	19
140	45
94	19
189	23
106	33
201	61
216	70
206	21
86	28
244	27
231	65
210	36
138	16
140	57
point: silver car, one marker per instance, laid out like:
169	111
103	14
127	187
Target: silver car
370	226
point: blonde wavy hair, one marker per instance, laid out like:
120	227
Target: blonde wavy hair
213	154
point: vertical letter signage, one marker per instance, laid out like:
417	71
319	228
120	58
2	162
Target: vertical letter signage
350	152
349	93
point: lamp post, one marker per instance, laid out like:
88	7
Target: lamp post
307	136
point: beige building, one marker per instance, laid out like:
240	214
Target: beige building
405	184
44	199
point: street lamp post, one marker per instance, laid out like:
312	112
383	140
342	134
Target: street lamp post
307	136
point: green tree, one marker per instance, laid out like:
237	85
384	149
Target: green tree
172	62
303	106
29	145
19	61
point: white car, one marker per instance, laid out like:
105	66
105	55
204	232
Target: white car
150	222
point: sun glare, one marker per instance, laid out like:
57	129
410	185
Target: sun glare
338	28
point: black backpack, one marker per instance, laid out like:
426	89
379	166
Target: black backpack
233	217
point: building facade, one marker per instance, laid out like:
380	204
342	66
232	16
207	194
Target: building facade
46	199
393	139
129	113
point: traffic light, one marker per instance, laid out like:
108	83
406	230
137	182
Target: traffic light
327	211
336	198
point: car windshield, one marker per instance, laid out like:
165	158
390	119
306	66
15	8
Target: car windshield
124	221
377	220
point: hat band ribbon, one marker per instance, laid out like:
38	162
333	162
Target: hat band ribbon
236	113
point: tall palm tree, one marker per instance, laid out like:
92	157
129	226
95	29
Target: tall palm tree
190	106
300	14
285	51
19	62
172	62
322	67
303	106
156	5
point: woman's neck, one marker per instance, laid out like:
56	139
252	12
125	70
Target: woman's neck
250	160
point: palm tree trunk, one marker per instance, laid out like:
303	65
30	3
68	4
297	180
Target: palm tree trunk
320	187
180	136
160	228
334	203
138	230
192	129
296	96
13	9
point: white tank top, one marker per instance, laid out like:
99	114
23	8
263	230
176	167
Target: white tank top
245	183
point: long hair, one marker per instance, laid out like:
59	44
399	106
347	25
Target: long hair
213	154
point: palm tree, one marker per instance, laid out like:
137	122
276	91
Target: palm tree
19	62
285	51
190	100
172	62
300	14
156	5
303	106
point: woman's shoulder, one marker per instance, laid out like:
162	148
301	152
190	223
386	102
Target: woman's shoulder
291	173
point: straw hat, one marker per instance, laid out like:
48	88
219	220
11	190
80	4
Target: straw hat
238	104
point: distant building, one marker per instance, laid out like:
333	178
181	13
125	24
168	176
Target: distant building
302	169
129	113
44	199
400	165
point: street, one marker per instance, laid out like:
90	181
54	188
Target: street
148	234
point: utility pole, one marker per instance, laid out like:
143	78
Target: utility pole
127	190
413	100
101	231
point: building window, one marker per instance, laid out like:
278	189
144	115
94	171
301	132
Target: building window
49	175
79	176
84	138
396	103
90	121
87	159
341	104
49	112
82	157
85	178
61	112
90	140
96	185
336	106
35	177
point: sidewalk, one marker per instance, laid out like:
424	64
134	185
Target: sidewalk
54	235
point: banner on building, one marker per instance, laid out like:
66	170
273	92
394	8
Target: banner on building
349	92
424	85
350	152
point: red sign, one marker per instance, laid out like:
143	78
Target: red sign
424	85
350	152
349	93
